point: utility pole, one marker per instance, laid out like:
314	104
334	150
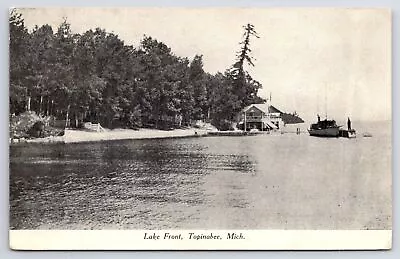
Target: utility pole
245	127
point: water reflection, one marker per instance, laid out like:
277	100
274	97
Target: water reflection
116	184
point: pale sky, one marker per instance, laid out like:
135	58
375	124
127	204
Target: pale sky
311	60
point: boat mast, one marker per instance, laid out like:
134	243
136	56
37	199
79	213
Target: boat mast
326	105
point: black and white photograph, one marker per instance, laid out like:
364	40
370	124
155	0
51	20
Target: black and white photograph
200	128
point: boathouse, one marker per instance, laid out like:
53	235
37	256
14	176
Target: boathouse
264	116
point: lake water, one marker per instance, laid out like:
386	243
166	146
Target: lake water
277	181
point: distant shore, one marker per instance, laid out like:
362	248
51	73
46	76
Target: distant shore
78	136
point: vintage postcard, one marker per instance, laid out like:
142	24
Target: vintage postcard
209	128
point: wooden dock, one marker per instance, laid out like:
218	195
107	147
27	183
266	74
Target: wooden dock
232	133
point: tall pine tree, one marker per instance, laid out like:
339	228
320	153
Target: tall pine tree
244	86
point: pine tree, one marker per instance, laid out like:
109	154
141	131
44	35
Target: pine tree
244	86
19	40
197	79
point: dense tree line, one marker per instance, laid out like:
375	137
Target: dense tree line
95	77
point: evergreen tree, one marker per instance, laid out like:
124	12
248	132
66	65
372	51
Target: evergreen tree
244	86
197	78
66	89
41	63
19	40
96	77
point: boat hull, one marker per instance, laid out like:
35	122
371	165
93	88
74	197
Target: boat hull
328	132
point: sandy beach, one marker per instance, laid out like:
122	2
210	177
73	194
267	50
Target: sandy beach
75	136
78	136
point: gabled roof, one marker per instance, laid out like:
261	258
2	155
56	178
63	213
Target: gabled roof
264	107
261	106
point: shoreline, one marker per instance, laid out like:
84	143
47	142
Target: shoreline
79	136
83	136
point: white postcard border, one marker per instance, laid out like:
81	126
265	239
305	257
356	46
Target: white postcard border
37	237
252	240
